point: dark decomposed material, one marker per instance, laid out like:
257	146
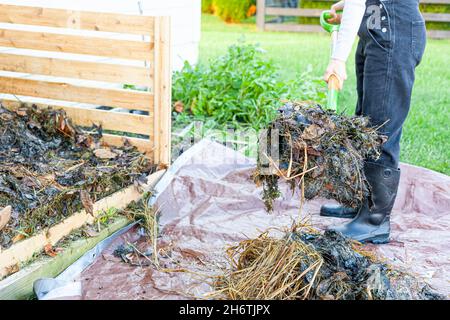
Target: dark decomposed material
309	265
330	148
50	168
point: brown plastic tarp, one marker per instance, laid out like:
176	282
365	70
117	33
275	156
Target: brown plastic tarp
211	203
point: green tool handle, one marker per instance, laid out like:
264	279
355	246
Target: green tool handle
333	80
333	92
330	27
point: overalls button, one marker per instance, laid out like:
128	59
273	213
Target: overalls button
383	18
384	30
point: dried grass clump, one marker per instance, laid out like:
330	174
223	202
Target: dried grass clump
320	150
307	265
268	269
148	218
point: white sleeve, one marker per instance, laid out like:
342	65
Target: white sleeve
350	22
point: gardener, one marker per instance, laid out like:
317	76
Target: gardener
392	41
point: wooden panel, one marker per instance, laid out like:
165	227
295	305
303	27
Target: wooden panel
109	120
163	85
113	48
19	286
125	122
439	34
77	69
293	12
143	145
260	14
128	99
93	21
157	77
293	27
436	17
435	1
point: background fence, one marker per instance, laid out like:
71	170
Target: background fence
435	12
80	61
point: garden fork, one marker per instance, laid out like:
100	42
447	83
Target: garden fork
333	80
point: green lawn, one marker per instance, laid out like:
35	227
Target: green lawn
426	138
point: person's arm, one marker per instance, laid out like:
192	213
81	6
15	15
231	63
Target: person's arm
353	12
350	22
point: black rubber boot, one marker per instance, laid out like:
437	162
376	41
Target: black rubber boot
338	211
372	223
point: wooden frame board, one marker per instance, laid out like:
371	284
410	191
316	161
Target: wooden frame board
19	284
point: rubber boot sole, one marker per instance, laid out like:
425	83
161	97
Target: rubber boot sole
380	239
343	216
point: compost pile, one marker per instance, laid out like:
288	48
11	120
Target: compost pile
50	169
309	265
321	150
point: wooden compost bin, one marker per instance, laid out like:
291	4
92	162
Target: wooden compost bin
110	41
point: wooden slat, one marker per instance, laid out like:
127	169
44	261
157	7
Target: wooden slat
436	17
163	84
128	99
293	12
126	122
438	34
94	21
421	1
113	48
260	14
77	69
143	145
435	1
19	286
293	27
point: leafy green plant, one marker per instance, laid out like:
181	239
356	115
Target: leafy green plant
240	87
233	10
105	217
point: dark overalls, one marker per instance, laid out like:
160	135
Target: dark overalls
392	42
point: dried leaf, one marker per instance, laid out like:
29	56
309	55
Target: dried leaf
21	112
313	152
178	106
90	232
6	116
47	179
312	132
163	166
85	140
12	269
87	202
5	215
104	154
18	238
48	249
30	182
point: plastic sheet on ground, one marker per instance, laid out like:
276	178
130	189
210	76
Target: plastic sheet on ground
209	202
